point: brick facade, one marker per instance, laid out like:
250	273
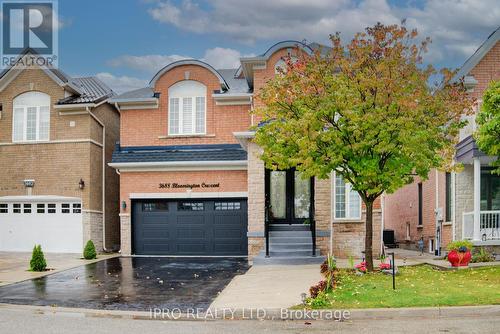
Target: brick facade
148	127
401	210
73	152
402	206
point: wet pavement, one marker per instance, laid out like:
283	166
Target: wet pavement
137	283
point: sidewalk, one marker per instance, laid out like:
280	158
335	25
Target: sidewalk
14	266
269	287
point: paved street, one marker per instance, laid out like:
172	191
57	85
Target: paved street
29	321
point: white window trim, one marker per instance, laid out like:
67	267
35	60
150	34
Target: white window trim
25	124
192	97
181	116
347	202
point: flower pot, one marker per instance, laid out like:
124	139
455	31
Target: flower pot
459	259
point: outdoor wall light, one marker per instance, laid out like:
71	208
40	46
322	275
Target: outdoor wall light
81	184
124	205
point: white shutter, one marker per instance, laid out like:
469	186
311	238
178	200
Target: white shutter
174	119
44	123
200	114
31	116
187	115
18	122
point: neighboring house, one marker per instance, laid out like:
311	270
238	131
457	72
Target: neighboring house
57	134
192	183
469	201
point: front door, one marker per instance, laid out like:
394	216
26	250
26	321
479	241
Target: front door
288	196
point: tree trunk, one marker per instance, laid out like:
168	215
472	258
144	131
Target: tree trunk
369	235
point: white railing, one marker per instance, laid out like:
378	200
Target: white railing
468	225
489	225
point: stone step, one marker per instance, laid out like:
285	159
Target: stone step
290	240
292	253
290	234
275	246
299	260
289	227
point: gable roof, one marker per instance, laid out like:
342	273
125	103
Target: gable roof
93	91
473	60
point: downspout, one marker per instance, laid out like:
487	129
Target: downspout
103	178
332	188
382	223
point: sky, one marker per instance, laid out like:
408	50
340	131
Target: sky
125	42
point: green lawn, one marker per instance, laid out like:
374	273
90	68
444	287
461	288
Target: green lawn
415	286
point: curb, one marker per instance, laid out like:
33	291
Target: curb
270	314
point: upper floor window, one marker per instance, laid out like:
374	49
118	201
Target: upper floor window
281	65
347	202
187	108
31	117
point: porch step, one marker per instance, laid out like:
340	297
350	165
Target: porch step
277	246
293	253
296	260
289	227
290	234
290	240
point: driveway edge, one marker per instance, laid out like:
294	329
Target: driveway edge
270	314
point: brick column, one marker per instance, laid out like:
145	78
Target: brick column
125	234
256	200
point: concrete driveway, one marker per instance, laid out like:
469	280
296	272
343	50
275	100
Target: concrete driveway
269	286
124	283
14	265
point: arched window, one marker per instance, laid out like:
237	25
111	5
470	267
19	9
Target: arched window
187	108
281	66
31	117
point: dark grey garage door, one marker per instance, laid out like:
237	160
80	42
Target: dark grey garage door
190	227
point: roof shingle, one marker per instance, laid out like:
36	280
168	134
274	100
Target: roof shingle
218	152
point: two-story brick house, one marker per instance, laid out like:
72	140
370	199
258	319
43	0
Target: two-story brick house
57	134
192	182
455	206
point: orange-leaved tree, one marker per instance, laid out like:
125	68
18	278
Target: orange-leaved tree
364	110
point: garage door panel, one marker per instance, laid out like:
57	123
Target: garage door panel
190	227
190	232
232	219
153	248
156	233
56	226
191	248
200	220
227	233
228	248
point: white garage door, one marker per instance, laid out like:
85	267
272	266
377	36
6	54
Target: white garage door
53	222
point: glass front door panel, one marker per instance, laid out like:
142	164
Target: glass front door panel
277	198
302	196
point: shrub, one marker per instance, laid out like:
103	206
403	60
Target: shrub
460	246
482	255
321	300
328	269
89	252
316	289
37	262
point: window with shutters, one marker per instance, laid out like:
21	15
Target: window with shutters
31	117
187	108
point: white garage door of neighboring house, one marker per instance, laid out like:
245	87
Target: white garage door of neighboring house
51	221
